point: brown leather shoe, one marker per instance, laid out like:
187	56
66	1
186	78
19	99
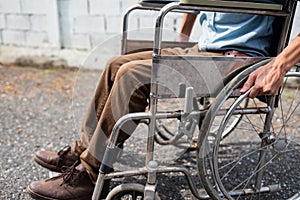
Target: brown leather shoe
73	184
57	162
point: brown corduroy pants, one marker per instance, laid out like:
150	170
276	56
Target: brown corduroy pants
123	88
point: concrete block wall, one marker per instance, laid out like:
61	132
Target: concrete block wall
71	24
52	27
27	23
101	20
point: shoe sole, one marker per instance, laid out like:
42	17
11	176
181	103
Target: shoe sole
37	196
40	197
46	165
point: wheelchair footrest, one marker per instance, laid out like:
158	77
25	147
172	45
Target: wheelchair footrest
247	191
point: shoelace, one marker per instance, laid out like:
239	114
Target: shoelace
69	175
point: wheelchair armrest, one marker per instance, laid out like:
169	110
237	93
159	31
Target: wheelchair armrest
155	3
233	4
135	45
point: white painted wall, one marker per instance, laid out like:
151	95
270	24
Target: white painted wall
73	24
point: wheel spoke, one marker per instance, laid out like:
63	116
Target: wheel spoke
261	150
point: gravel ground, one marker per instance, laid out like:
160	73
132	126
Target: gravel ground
43	108
35	111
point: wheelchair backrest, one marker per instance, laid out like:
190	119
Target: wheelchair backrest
282	27
284	14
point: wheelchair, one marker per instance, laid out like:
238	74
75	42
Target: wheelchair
245	147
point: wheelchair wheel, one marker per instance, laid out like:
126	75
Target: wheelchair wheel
128	191
258	159
230	126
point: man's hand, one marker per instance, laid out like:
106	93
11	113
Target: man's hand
265	80
268	78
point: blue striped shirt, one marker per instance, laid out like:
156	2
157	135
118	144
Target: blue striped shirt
246	33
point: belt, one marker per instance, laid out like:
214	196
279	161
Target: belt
231	53
234	53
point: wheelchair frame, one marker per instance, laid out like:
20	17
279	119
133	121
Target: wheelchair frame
151	167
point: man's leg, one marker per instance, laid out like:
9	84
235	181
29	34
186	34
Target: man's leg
103	91
67	156
129	91
129	94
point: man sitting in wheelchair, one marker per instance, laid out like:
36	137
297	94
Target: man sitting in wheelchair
124	88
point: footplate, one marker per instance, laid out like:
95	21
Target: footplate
264	189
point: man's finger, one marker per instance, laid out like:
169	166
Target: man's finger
248	84
254	92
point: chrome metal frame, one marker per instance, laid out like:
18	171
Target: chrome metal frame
153	115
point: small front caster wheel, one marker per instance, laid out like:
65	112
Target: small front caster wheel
132	191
